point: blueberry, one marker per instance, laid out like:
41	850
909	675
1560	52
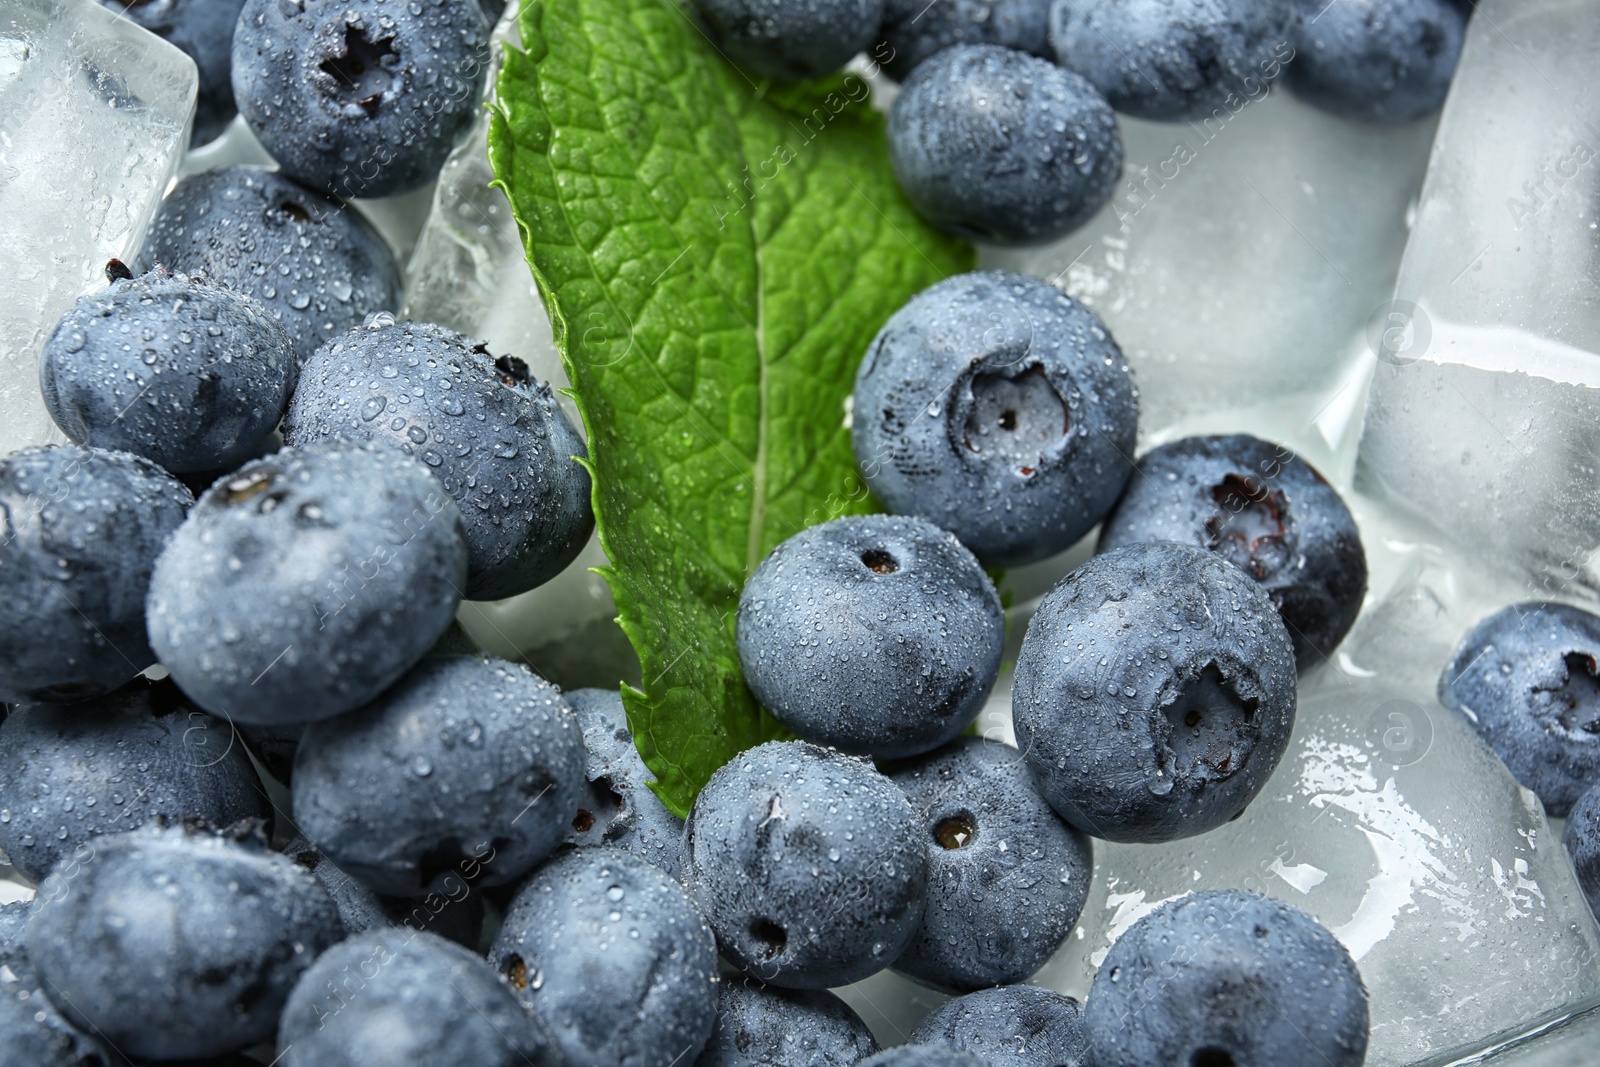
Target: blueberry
493	436
1011	1026
129	942
1377	60
203	29
1227	977
360	97
1154	694
317	265
1006	877
765	1025
172	368
359	908
1582	838
938	1054
32	1031
609	951
914	30
307	583
13	917
1527	679
470	767
619	807
995	145
80	530
1175	59
790	39
999	408
1261	508
68	775
399	997
810	865
874	634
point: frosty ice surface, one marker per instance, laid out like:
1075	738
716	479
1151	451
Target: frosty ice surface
1483	410
94	118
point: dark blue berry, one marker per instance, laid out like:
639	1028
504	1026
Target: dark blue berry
810	865
307	583
1264	509
1011	1026
494	437
203	29
469	767
1225	977
402	997
914	30
32	1032
759	1024
1582	838
875	634
70	775
999	408
999	146
790	39
80	530
937	1054
1527	679
315	262
360	97
1175	59
1155	693
1377	60
177	942
1006	877
608	950
185	373
619	808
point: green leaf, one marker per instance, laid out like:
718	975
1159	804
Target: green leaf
715	253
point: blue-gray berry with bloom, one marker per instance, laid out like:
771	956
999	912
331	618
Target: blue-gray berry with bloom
315	262
70	775
185	373
1384	61
178	942
791	40
1155	693
305	584
915	30
80	530
810	865
1007	878
875	634
494	436
610	952
203	29
360	97
995	145
1582	840
1528	679
469	766
1011	1026
1171	60
400	997
1225	976
936	1054
619	808
759	1024
999	408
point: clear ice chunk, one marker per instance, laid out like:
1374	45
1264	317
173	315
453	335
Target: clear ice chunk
94	118
1241	257
1484	407
469	273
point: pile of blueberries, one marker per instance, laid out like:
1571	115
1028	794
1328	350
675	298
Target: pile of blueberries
326	831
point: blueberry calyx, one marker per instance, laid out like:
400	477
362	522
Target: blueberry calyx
1577	696
1250	528
512	371
359	72
117	271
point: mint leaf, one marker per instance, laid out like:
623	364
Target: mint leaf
715	253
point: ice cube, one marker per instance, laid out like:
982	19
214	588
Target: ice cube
1392	823
1241	258
1484	409
94	117
469	273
